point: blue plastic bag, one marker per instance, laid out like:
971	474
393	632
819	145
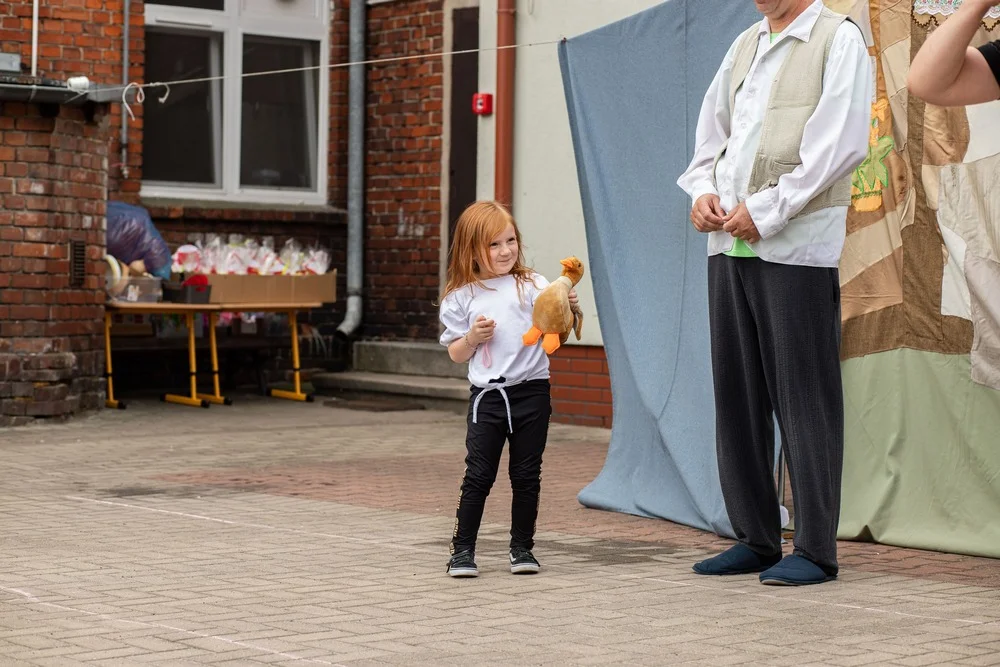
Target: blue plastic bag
131	235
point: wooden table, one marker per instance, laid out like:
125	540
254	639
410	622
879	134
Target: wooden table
188	311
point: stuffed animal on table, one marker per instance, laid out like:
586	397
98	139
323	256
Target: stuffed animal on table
553	316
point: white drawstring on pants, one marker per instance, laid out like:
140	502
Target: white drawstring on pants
498	386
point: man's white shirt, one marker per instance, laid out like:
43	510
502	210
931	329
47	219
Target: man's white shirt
834	142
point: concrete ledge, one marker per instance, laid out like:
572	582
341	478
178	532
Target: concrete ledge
391	383
423	358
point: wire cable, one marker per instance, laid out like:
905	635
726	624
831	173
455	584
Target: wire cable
140	94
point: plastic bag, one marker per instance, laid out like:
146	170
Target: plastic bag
132	236
187	259
317	261
236	258
253	257
211	254
292	257
267	259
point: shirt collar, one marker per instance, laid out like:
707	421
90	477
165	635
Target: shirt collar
803	24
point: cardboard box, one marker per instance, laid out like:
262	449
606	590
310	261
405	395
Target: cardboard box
315	288
273	289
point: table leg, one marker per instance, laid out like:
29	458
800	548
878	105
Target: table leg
110	402
216	397
297	395
193	399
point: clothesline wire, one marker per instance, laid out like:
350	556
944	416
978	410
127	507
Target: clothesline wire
140	87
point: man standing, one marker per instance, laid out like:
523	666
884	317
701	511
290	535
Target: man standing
950	73
783	125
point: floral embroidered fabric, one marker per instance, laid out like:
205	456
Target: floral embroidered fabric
946	7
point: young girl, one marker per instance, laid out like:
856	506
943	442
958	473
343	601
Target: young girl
486	309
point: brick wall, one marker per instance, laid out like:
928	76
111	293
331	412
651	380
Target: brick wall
74	37
403	216
83	37
581	386
337	154
53	189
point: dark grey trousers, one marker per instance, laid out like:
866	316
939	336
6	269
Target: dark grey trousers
776	350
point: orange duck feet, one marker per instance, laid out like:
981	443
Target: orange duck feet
532	336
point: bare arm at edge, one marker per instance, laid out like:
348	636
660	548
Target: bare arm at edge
947	71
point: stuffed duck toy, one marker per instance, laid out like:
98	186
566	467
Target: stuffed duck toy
553	316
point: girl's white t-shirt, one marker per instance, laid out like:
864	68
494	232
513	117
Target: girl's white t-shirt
510	358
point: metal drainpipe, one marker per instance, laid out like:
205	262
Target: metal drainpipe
34	38
355	172
123	136
503	185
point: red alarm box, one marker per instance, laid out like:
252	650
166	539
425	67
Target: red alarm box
482	104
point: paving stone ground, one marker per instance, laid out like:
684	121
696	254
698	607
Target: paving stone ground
286	534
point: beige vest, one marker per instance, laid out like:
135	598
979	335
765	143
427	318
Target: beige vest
794	97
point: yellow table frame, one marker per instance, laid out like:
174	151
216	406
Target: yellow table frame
188	311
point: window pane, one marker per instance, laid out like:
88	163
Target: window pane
219	5
279	131
182	136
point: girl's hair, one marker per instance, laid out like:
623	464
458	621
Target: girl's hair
476	228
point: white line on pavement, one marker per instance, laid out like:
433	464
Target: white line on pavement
405	547
108	617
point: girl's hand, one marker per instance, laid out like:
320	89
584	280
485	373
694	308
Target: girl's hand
574	300
481	332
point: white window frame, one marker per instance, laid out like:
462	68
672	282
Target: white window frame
232	24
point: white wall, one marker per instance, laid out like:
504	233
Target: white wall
546	194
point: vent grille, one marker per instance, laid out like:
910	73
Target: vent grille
77	263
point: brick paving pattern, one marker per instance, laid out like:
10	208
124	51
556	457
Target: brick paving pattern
285	534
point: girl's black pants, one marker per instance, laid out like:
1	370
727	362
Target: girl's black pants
530	409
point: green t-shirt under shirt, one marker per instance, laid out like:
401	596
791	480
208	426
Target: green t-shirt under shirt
740	247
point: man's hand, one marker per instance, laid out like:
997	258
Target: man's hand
707	214
740	225
574	300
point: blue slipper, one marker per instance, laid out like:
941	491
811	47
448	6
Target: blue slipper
795	570
737	559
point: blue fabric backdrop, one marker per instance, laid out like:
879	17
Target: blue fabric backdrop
633	90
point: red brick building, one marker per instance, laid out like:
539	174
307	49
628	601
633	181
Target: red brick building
53	189
230	153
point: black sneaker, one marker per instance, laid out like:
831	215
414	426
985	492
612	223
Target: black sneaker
523	562
463	564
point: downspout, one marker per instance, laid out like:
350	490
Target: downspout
34	38
355	172
503	185
123	136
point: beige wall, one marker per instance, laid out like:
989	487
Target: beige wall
546	195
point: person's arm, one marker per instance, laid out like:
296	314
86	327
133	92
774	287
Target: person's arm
464	348
947	71
712	131
834	141
461	340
